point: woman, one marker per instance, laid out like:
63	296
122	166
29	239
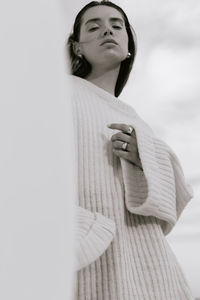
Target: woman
131	186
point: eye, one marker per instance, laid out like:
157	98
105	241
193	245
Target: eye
93	28
117	27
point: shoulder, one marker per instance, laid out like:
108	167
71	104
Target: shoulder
76	80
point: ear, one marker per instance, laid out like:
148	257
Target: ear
76	48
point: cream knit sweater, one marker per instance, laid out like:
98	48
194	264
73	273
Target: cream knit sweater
143	206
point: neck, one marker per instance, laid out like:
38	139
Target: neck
105	79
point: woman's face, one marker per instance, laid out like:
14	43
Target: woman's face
103	37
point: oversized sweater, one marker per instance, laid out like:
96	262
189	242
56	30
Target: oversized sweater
142	205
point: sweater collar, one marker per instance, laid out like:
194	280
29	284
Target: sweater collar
104	95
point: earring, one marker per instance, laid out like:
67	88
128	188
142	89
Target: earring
128	55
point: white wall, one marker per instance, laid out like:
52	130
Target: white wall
36	153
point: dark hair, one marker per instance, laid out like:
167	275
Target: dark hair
81	67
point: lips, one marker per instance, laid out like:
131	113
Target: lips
110	41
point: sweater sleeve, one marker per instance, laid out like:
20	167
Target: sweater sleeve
94	233
160	190
183	191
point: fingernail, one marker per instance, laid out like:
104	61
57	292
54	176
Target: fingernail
108	125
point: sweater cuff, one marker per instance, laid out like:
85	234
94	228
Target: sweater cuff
160	190
94	234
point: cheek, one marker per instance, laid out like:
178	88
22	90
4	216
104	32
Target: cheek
88	44
89	47
124	43
90	52
124	40
86	36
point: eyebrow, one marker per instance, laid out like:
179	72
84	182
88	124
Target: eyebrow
98	19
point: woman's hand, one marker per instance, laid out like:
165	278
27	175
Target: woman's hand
125	143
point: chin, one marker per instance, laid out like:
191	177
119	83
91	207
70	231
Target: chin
113	58
109	60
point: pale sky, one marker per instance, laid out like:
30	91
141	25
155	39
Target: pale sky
164	88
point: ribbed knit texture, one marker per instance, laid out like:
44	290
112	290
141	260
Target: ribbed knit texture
93	236
145	205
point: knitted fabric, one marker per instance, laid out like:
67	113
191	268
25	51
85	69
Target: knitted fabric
144	204
93	236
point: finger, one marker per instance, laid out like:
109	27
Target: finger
120	136
118	145
122	154
128	156
120	126
132	149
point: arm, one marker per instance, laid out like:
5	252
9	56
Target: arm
94	233
183	191
158	189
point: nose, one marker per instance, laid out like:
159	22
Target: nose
107	32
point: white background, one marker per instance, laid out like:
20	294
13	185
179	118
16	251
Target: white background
36	153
